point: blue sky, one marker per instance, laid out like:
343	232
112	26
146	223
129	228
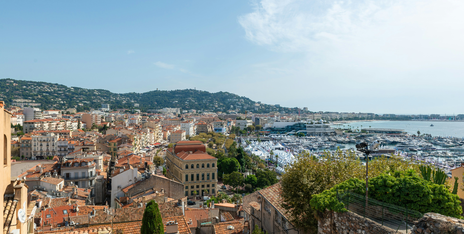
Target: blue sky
372	56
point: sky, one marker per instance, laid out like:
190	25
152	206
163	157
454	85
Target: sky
381	56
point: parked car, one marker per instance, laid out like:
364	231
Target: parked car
190	203
224	187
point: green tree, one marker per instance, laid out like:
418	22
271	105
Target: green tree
152	222
164	171
158	161
265	178
252	180
170	145
227	166
234	179
308	176
257	230
210	144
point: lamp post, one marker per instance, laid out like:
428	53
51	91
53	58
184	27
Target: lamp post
364	148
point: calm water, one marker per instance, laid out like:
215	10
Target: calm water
453	129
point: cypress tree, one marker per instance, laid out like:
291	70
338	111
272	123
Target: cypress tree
151	221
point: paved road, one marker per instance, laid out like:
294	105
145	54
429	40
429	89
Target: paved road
17	168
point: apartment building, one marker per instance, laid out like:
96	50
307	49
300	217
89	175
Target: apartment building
188	163
202	127
25	148
90	119
220	126
80	172
44	145
177	136
188	127
243	124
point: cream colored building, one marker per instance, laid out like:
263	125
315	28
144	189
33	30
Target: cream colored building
188	163
13	199
177	136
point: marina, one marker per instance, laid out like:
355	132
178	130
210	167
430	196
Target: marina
444	152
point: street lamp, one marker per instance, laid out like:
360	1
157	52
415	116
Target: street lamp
364	148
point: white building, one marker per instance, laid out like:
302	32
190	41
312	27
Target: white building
188	127
44	145
243	124
121	180
80	172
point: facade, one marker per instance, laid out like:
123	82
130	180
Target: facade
44	145
90	119
243	124
177	136
80	172
14	198
189	164
122	180
25	148
264	208
220	126
202	127
188	127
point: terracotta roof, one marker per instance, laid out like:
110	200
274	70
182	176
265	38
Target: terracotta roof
227	216
194	215
228	205
224	227
255	205
182	226
52	180
198	155
272	195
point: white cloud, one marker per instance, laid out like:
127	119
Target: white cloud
164	65
381	47
130	52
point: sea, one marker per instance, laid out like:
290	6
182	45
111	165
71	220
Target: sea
444	129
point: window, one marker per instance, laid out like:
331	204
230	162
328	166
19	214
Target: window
187	166
186	193
202	186
191	192
198	177
76	175
207	165
5	150
212	186
212	176
212	165
203	176
207	176
212	191
191	166
198	165
186	187
67	176
192	177
186	178
207	185
198	186
203	165
192	187
83	174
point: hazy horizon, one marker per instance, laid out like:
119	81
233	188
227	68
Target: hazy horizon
379	56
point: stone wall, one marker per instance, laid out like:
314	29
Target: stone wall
437	223
348	222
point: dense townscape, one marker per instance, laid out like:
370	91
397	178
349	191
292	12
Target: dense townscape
105	169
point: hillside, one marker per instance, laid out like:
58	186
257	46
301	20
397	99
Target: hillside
57	96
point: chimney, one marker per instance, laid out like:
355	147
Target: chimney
183	208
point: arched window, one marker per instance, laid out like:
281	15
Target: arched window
191	166
5	150
186	166
198	165
203	165
212	165
192	177
207	165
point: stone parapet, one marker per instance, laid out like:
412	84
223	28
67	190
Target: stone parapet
437	223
